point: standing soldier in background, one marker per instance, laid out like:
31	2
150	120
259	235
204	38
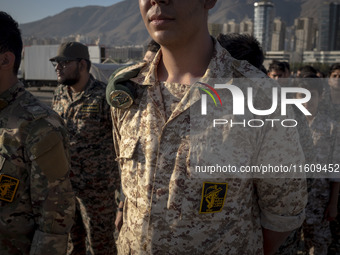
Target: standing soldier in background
80	101
277	71
36	200
331	97
324	190
242	47
331	107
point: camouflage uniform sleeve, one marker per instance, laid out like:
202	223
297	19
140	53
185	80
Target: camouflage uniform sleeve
281	200
52	197
108	121
305	136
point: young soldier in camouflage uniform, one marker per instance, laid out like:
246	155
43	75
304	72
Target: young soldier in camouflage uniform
37	203
80	101
323	194
165	210
331	107
330	104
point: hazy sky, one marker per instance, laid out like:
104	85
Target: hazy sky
25	11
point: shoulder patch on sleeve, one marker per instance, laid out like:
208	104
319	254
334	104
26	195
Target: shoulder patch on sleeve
45	144
50	156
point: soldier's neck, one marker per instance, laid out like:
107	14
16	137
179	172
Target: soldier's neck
7	82
80	85
184	64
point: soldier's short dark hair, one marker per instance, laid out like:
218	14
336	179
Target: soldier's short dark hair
286	64
306	70
276	66
242	47
153	46
335	66
10	38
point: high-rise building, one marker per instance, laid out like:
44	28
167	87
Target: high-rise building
329	26
215	29
278	36
263	21
305	32
231	27
246	26
290	39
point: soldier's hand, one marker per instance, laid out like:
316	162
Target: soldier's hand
119	217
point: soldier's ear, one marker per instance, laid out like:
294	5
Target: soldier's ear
209	4
83	64
7	60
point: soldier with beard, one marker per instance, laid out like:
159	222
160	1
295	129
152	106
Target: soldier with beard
80	101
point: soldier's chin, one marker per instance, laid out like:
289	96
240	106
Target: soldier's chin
68	82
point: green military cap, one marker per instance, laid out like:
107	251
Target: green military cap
71	51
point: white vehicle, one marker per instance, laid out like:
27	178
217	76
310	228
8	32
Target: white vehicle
36	69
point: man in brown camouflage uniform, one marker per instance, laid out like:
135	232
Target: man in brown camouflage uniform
80	101
168	209
37	203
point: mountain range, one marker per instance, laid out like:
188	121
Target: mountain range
121	23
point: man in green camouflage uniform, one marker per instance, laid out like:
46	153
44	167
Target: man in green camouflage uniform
165	207
37	203
80	101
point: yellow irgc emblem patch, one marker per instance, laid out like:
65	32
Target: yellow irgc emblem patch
213	197
8	187
89	108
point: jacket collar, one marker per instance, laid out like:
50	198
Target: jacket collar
219	69
10	95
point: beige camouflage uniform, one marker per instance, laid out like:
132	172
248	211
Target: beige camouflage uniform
163	196
37	215
292	242
94	174
316	229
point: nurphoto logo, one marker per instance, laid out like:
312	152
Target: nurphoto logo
240	100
